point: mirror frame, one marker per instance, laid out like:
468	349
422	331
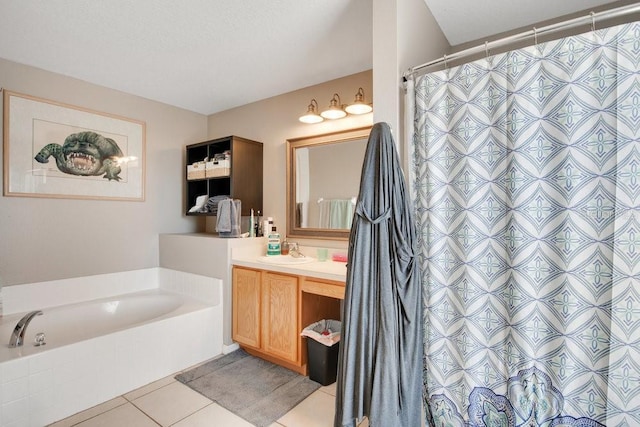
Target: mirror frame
309	141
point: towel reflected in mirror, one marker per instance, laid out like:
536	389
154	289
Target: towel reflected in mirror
336	213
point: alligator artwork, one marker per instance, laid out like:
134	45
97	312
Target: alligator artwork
85	154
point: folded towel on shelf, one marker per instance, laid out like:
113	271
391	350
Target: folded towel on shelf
200	203
228	218
211	206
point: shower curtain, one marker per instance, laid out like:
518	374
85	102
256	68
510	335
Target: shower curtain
527	194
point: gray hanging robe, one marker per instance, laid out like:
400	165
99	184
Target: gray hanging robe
380	356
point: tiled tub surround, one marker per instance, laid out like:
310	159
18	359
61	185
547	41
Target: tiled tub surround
165	321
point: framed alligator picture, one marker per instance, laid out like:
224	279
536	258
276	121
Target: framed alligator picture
57	150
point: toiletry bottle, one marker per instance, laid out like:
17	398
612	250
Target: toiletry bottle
273	243
258	226
284	247
267	226
252	230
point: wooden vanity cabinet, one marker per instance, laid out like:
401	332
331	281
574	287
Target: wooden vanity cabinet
280	316
270	309
246	306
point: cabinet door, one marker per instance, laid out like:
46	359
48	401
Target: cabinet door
280	335
246	307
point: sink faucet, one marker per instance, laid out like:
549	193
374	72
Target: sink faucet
294	250
17	337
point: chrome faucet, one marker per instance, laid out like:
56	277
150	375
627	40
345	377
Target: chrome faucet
294	250
17	337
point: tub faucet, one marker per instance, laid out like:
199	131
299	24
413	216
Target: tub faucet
17	337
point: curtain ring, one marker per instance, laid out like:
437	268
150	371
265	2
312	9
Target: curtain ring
486	49
593	21
445	60
535	40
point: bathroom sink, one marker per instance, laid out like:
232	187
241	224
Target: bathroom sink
285	260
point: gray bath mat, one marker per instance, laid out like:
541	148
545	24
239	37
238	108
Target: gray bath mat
254	389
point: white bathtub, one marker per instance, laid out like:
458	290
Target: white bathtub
69	324
103	347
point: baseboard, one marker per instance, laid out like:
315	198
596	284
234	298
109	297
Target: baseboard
226	349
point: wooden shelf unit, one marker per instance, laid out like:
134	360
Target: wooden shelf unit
245	178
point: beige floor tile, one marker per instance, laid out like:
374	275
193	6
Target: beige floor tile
139	392
171	403
329	389
213	415
90	413
123	415
317	410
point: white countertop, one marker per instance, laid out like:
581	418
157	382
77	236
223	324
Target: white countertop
329	270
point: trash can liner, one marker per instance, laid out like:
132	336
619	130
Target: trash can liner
326	332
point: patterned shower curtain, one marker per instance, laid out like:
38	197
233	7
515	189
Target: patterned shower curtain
527	192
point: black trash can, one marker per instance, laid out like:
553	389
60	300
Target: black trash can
323	344
322	361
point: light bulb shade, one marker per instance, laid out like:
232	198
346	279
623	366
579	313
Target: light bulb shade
311	115
334	113
359	106
311	118
335	110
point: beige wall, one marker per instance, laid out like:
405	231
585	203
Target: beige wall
46	238
272	121
405	34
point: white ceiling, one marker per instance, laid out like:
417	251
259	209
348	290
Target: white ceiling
211	55
201	55
462	21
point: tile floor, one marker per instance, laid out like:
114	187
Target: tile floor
168	402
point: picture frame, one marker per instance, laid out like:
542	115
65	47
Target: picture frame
57	150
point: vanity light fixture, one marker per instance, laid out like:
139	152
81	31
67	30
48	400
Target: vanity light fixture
312	115
335	110
359	106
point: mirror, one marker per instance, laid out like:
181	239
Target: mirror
323	181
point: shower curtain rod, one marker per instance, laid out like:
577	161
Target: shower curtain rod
535	32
